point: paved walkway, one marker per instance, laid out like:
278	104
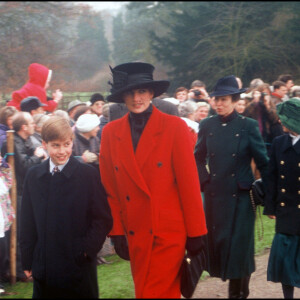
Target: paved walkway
259	286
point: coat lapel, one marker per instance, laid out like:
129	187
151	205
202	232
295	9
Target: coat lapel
149	138
127	156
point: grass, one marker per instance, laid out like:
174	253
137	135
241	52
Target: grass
115	279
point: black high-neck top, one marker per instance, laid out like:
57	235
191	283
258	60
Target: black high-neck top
138	123
228	118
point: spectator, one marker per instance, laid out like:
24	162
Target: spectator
282	200
97	101
254	84
280	90
187	112
198	92
72	108
38	83
61	113
86	143
181	94
148	170
6	116
226	144
104	118
65	219
202	111
7	215
240	106
32	105
288	80
295	91
25	156
39	120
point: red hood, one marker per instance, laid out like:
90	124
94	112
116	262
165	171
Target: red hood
38	74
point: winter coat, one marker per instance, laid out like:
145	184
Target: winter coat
35	86
223	154
155	198
3	129
283	194
64	216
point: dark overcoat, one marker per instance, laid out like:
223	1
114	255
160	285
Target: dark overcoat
64	216
223	154
283	196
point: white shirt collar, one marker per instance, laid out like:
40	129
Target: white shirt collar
295	138
52	165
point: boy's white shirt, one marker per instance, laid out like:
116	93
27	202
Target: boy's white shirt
52	165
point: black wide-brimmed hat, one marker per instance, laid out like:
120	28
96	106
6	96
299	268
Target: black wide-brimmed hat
134	75
227	85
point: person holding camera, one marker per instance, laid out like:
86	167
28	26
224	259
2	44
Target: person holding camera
263	110
198	92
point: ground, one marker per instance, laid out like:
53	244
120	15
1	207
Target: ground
259	286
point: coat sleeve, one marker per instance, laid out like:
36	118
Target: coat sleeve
271	195
99	214
200	153
109	183
258	150
28	231
187	181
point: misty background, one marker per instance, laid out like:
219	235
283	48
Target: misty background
184	40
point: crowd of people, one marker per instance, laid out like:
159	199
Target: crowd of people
159	174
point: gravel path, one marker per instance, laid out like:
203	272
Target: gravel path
259	286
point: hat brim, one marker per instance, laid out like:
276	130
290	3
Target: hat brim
75	106
226	92
158	87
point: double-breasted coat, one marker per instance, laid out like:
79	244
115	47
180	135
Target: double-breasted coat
64	216
155	198
223	154
283	196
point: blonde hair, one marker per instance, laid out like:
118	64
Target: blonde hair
56	128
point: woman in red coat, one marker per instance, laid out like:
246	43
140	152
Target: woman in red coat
150	176
38	82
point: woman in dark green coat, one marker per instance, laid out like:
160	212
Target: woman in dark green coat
226	144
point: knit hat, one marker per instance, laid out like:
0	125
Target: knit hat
97	97
87	122
289	114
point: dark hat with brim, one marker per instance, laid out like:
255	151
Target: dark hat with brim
134	75
30	103
227	85
289	114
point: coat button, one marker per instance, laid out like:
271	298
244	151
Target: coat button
298	164
210	134
237	135
298	205
150	231
224	124
131	232
232	174
116	167
298	178
127	198
298	192
282	190
159	164
214	175
234	195
282	162
282	176
233	154
282	204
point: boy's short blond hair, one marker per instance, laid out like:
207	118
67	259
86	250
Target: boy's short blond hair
56	128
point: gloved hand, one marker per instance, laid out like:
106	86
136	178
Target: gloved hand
195	245
121	246
89	157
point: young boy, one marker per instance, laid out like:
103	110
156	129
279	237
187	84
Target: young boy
65	218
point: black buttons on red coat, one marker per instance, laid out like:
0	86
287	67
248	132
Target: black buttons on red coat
131	232
159	164
127	198
116	168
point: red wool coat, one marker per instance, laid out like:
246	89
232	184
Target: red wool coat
38	75
155	198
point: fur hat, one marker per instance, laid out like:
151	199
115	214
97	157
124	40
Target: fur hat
227	85
134	75
87	122
96	97
289	114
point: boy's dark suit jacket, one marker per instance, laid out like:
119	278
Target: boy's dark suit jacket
64	216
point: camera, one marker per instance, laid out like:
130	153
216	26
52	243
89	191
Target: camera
197	93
